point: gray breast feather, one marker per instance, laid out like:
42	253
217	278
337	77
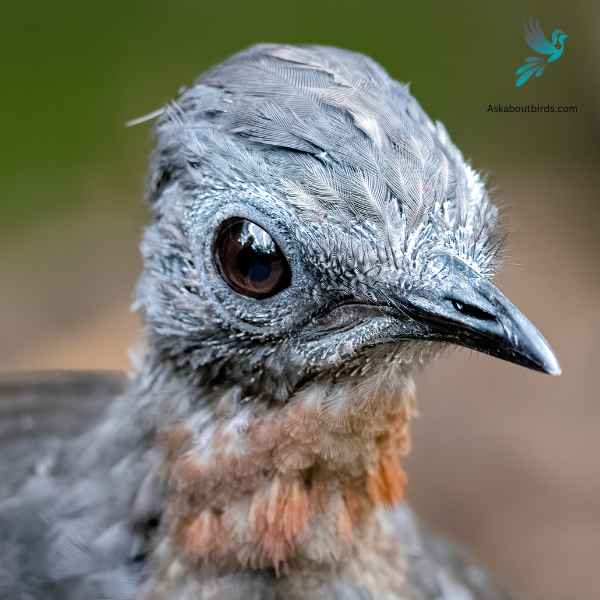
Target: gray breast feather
66	406
438	568
45	547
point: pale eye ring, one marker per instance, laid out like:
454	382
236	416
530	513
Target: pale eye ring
249	260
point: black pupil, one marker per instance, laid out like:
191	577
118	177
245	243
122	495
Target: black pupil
249	259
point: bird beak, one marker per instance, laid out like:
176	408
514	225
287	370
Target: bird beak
469	311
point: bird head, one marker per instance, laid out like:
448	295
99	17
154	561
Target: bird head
558	37
312	223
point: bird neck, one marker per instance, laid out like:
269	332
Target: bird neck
283	487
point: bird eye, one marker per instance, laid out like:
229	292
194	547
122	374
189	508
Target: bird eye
249	260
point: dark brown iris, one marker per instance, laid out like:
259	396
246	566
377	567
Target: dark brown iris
249	259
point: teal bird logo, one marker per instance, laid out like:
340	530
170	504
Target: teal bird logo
550	51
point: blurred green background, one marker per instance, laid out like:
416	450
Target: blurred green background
505	460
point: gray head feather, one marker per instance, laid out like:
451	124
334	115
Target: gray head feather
369	200
334	132
342	166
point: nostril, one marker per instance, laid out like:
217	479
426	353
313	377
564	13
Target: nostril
472	311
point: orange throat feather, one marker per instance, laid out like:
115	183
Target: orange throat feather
286	487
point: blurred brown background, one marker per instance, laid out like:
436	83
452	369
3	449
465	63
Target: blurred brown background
505	460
